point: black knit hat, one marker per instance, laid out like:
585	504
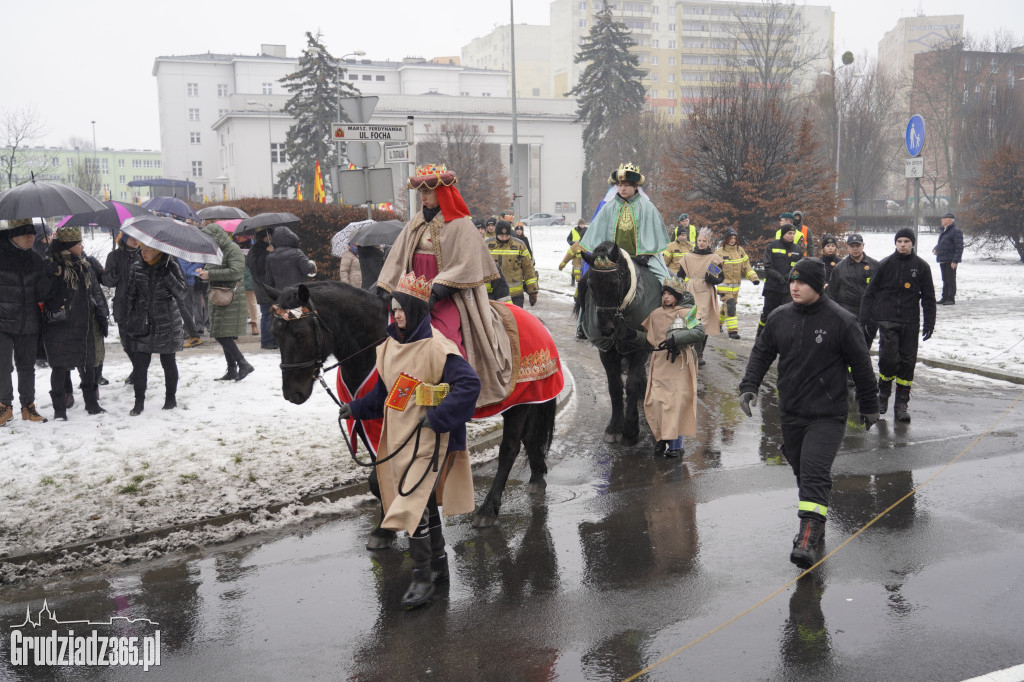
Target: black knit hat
905	232
829	239
503	227
491	221
786	227
810	271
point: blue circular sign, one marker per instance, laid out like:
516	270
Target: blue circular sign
915	135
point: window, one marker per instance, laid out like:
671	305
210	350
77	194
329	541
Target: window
380	78
654	93
654	43
197	169
193	114
582	23
671	94
367	77
654	60
654	78
353	76
977	90
671	44
536	92
671	61
654	10
966	95
105	165
120	163
485	94
268	89
120	178
490	129
994	65
1010	78
222	90
991	128
992	95
71	162
221	112
583	6
671	111
193	138
193	89
277	154
672	28
671	78
654	26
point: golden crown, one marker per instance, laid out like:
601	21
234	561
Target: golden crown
414	286
628	172
431	175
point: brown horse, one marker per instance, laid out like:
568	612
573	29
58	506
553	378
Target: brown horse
337	319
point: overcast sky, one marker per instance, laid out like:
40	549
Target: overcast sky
76	62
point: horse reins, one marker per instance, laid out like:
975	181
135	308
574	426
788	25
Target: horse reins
630	296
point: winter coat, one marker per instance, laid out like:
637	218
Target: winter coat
514	261
159	292
230	320
673	254
950	247
830	264
694	267
849	280
670	402
901	288
371	262
119	264
286	264
256	261
735	265
348	269
779	259
815	344
23	285
75	291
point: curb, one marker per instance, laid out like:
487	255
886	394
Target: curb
484	442
968	369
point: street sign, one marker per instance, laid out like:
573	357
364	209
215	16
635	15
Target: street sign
397	154
915	135
364	154
359	109
362	132
354	186
913	168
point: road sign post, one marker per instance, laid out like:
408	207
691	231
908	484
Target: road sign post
914	139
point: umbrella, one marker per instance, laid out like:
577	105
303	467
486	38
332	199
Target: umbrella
111	217
229	225
174	237
339	242
221	211
33	198
173	205
265	220
377	234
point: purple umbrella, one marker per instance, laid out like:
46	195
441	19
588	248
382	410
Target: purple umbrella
172	205
110	218
174	237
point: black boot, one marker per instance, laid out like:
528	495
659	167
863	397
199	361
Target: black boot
100	379
60	410
232	373
421	589
700	351
92	401
901	403
808	543
438	556
244	370
170	402
140	398
884	391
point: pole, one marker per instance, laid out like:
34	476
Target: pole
514	164
270	146
411	166
917	206
337	144
95	166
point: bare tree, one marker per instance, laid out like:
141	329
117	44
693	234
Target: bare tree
19	127
461	146
84	174
996	200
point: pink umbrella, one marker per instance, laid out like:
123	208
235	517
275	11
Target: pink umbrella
229	225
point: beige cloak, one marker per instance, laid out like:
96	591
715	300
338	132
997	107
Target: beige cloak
670	403
696	266
463	262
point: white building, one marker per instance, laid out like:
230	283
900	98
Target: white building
533	57
222	124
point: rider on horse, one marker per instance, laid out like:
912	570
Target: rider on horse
426	392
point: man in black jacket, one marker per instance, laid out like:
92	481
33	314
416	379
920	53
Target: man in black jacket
948	251
849	280
902	286
23	285
815	341
779	258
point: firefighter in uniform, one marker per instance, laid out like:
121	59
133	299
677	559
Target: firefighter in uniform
735	266
815	341
779	258
902	285
574	256
685	236
514	261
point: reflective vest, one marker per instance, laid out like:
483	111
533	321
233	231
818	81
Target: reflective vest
691	234
514	261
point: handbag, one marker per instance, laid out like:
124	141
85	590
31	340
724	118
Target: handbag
137	323
222	296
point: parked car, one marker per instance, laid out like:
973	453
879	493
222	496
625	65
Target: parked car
541	219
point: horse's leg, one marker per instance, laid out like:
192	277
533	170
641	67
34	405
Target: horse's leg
636	382
613	371
537	439
380	538
514	419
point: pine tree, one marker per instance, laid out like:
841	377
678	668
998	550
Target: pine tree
315	88
609	86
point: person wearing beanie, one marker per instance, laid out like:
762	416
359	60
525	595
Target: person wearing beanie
802	236
75	305
681	244
670	402
23	285
735	266
779	258
702	270
489	226
430	393
815	341
829	253
514	262
894	299
948	251
850	279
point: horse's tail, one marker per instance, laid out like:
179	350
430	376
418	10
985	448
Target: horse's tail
541	431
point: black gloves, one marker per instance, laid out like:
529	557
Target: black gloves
345	411
926	334
642	261
425	422
669	345
439	292
710	279
868	420
533	300
747	400
103	325
756	282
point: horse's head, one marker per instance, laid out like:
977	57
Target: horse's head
303	339
608	281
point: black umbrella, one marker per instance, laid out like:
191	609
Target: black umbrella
174	237
379	233
221	212
111	217
265	220
172	205
33	198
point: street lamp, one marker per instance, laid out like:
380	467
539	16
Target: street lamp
847	60
337	83
270	142
95	160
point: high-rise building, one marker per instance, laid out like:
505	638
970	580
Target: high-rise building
533	57
914	35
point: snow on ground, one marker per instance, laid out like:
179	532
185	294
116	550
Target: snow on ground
239	446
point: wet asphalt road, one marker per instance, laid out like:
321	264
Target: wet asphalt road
628	558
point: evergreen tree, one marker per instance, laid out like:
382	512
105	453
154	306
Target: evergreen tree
609	87
315	88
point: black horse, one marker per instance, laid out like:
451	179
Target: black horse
615	296
333	318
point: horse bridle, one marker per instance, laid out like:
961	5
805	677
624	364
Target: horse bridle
619	309
300	313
